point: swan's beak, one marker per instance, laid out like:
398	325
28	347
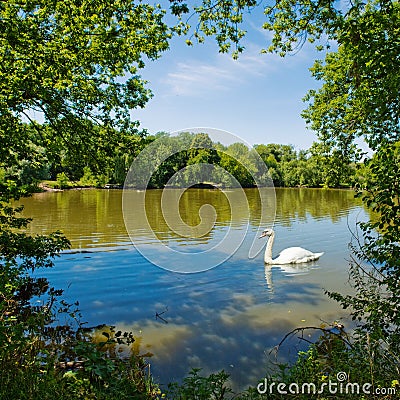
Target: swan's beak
263	235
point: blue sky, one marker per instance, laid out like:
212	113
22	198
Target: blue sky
258	97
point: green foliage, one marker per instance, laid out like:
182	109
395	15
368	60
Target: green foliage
336	166
64	61
202	150
285	166
197	387
375	265
291	22
310	168
121	165
190	154
359	96
177	147
240	161
96	168
89	179
362	360
237	169
62	181
27	337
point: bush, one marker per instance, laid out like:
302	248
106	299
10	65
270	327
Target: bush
196	387
348	366
62	181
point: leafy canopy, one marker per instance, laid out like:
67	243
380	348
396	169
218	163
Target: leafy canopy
361	81
73	65
291	22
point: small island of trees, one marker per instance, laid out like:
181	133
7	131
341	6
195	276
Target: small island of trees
59	167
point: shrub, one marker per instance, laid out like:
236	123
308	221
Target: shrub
62	181
197	387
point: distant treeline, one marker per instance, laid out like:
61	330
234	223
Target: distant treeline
108	163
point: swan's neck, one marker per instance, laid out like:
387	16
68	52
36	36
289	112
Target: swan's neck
268	249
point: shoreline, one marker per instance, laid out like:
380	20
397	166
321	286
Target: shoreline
47	188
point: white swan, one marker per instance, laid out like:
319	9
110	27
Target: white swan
291	255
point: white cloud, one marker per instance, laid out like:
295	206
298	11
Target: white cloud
194	77
222	73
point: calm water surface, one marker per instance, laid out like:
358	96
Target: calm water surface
226	318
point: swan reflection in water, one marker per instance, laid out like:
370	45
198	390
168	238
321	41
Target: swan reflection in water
293	260
289	269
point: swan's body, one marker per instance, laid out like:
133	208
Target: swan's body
291	255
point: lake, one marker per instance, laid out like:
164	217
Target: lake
227	317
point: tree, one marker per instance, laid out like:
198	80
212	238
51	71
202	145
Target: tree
375	264
177	159
202	150
64	61
239	168
360	93
291	22
238	161
336	166
200	156
276	158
